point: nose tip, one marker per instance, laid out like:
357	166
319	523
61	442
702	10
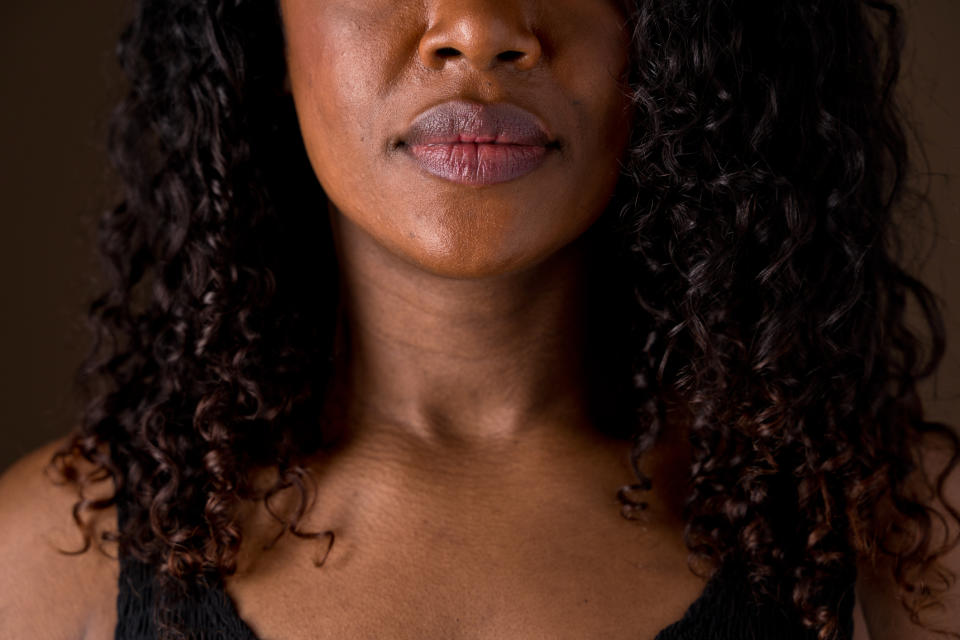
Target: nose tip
485	42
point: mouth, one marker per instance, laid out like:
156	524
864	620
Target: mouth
477	144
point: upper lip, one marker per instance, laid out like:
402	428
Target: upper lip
491	123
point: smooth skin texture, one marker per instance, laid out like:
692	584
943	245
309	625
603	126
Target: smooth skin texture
473	498
361	71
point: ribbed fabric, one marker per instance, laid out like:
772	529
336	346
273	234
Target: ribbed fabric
207	615
728	609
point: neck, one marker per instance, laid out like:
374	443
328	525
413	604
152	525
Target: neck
464	362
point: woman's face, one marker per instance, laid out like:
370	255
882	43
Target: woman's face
468	137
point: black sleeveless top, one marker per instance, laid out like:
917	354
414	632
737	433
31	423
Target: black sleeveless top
727	609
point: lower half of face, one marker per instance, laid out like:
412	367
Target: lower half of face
418	119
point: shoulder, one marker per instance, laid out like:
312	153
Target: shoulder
879	610
38	578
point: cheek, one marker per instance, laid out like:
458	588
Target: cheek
336	61
608	112
593	73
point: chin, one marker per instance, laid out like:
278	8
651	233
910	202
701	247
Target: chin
465	238
483	244
465	258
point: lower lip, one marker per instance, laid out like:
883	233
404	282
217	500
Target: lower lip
478	164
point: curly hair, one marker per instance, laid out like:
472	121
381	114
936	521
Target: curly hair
754	241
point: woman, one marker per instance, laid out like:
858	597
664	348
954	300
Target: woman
450	318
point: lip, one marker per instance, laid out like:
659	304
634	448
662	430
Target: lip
478	144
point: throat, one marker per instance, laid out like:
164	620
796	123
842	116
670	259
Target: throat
461	360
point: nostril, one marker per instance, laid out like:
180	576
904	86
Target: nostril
510	56
447	52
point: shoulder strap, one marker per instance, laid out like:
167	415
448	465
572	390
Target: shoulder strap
206	614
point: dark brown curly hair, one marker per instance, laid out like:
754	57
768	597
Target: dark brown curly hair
754	254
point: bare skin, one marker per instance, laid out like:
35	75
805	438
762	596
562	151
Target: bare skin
520	537
474	496
44	592
475	499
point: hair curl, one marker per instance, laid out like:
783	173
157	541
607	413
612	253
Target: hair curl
755	238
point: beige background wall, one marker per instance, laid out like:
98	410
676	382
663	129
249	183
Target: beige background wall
56	70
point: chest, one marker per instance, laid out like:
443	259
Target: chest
570	578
